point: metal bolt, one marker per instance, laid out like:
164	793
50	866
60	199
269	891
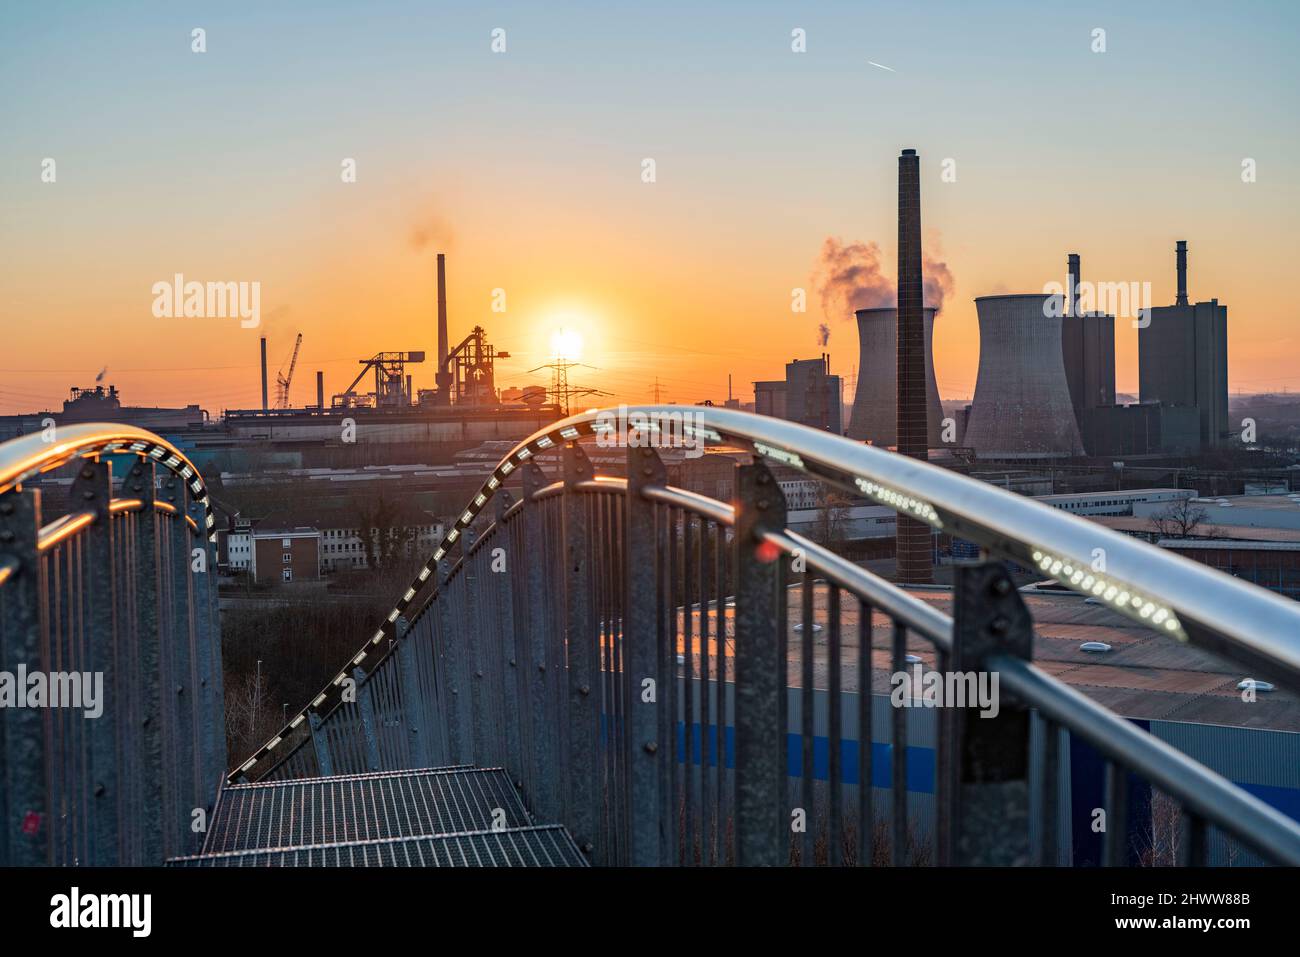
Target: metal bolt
180	689
512	662
999	625
6	536
145	722
651	747
584	690
1001	586
99	790
588	847
541	667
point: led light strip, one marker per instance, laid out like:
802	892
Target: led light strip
900	501
1117	595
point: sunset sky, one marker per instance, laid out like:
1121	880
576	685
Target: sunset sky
525	167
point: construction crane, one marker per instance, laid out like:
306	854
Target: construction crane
282	381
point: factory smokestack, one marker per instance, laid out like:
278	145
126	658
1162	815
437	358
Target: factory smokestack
913	536
264	404
1072	266
1182	273
320	389
442	377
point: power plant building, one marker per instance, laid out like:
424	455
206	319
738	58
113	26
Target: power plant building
1088	351
874	417
1023	407
1183	358
809	395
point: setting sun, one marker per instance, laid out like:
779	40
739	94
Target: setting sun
566	344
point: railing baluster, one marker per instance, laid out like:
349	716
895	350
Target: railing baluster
866	786
706	698
690	781
945	772
721	552
1051	774
898	851
1193	844
807	717
834	775
1115	848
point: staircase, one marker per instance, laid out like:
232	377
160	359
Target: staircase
437	817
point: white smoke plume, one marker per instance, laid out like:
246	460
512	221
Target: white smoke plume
849	276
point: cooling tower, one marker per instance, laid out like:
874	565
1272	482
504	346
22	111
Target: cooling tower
875	418
1022	406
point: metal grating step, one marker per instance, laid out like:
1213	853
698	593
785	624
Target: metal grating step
348	809
540	846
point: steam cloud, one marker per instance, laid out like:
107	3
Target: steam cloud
431	230
848	277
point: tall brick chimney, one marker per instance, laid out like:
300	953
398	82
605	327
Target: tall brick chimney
913	536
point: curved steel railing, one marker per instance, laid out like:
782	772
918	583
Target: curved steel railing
118	592
476	633
29	456
1155	588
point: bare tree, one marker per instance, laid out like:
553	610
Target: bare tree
1159	842
1181	519
831	529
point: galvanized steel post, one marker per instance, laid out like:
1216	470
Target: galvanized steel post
25	835
450	652
473	636
762	831
648	671
409	680
148	804
320	744
182	757
991	800
584	697
366	705
210	706
93	488
514	697
548	773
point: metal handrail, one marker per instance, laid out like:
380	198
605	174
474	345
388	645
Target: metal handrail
69	525
29	456
1155	588
1213	797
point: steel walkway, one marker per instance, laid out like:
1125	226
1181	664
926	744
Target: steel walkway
437	817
